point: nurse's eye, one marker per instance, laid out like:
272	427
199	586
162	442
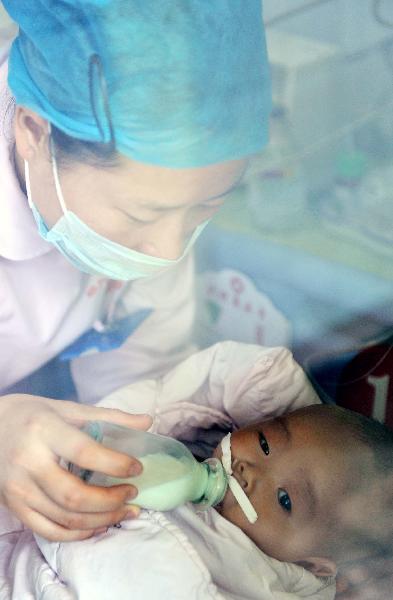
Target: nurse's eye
284	500
137	221
263	443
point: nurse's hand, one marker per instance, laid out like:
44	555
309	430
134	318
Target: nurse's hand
35	433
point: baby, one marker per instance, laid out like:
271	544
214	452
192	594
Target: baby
299	471
299	463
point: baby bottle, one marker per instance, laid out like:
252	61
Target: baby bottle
171	476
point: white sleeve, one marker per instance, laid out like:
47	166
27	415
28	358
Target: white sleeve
160	342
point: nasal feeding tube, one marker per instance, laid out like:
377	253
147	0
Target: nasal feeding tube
235	487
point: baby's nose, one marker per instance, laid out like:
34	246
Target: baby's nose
242	473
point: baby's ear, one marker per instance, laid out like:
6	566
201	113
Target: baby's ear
321	567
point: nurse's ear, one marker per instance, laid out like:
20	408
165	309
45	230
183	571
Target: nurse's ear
31	133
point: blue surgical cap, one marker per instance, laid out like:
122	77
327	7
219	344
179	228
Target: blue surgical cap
177	83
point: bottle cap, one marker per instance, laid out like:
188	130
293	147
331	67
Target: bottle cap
217	484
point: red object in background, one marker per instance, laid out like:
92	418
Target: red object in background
366	383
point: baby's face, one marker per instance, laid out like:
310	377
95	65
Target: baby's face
295	470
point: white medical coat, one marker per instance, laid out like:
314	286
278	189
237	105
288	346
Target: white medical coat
46	304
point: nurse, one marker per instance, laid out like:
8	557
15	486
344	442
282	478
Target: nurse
124	125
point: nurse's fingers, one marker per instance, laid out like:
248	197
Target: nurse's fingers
69	443
72	494
79	414
37	501
46	528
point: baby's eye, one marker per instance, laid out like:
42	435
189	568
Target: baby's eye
263	443
284	500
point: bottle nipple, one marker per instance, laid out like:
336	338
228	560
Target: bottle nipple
215	485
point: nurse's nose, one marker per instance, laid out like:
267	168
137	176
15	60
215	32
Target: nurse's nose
166	240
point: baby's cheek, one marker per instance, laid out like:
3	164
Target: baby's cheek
258	532
230	510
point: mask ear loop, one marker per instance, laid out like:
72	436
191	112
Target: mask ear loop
28	185
235	487
55	175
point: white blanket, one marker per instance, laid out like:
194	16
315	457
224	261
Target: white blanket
183	554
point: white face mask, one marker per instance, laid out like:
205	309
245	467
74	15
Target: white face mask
92	253
233	483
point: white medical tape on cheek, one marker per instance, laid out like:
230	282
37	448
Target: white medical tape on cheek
235	487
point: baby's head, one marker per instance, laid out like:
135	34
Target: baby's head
299	471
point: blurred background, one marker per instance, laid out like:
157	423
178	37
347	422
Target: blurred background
301	255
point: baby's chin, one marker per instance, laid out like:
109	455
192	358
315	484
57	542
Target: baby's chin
218	508
226	507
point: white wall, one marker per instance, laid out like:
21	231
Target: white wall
361	81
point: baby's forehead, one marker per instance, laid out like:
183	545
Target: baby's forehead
321	418
316	427
316	419
354	457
